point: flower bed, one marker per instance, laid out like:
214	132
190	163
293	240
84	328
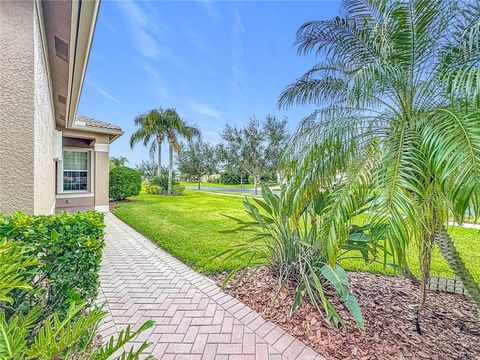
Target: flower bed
450	326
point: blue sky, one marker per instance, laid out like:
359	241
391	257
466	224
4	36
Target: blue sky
216	62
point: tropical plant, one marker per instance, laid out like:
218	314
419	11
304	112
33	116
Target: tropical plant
124	182
118	161
152	128
176	129
157	125
399	86
23	335
290	246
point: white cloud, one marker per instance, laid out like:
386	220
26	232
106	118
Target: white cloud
204	109
209	7
147	32
93	84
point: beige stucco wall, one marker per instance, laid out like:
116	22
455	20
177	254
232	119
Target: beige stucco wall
44	131
99	168
102	172
16	106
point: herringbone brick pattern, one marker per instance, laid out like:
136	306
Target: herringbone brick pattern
194	318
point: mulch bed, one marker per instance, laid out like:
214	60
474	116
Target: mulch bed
450	323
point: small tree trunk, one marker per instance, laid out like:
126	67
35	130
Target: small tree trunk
425	261
255	185
199	183
159	161
241	181
170	168
450	253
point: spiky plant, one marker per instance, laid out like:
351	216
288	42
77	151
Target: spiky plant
398	90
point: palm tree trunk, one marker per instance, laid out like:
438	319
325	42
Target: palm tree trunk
450	253
170	167
255	185
241	181
159	161
425	261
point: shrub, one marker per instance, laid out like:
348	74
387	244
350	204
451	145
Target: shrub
161	182
232	179
69	246
124	182
293	248
152	189
178	190
23	332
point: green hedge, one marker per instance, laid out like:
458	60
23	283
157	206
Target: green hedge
69	246
124	182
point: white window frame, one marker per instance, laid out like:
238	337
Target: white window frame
90	172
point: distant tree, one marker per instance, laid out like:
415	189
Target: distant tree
254	149
118	161
276	136
229	152
152	131
157	125
197	159
148	169
175	130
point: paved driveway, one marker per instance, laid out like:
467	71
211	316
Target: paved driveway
194	318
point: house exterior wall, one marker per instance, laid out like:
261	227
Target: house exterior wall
102	174
44	130
98	198
17	106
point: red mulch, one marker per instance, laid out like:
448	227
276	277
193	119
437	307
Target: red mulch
450	322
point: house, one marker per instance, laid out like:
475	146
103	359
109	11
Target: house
50	158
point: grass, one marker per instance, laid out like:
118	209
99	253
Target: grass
192	228
209	184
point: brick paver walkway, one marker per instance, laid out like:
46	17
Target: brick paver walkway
194	318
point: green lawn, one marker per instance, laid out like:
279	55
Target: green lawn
209	184
191	228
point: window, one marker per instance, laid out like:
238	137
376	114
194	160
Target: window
75	170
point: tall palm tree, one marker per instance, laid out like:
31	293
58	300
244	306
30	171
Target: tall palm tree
152	130
398	125
175	129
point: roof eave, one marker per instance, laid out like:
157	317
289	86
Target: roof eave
114	133
83	22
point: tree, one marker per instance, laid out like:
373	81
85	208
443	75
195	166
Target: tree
276	137
158	125
197	159
230	152
400	122
176	128
254	148
148	169
152	131
118	161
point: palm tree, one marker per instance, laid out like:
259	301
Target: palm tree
176	128
118	161
398	125
152	130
